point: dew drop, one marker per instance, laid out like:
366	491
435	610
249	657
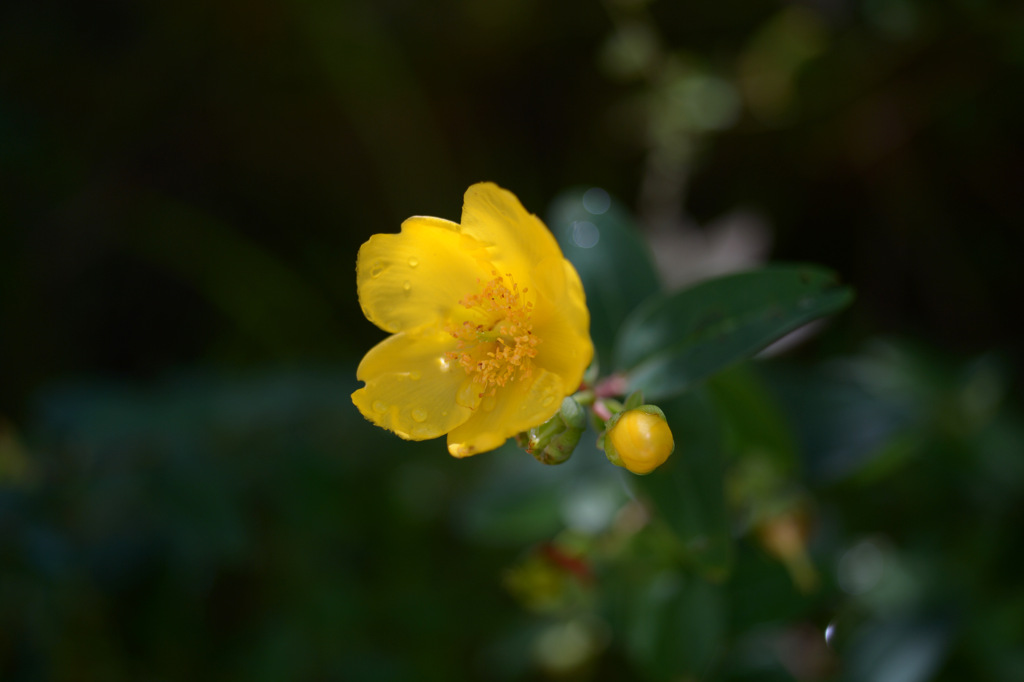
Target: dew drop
466	394
422	431
415	374
419	414
444	363
407	286
379	406
376	270
830	634
413	262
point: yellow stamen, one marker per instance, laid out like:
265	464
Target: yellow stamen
499	349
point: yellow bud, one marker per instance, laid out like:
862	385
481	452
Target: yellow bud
640	440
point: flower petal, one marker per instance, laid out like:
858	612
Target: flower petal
566	351
515	408
516	240
412	389
562	321
417	277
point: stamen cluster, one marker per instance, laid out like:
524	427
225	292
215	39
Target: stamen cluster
499	349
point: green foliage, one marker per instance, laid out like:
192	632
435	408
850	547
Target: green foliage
688	491
675	340
254	527
250	528
598	235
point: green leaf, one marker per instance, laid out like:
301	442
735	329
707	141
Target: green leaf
678	339
678	626
635	400
755	423
688	491
598	236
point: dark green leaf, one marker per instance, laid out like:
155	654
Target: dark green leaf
755	423
688	491
598	236
678	626
675	340
909	649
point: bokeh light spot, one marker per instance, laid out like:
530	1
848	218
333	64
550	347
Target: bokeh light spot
585	234
860	568
596	201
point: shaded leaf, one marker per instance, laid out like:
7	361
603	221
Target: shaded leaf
688	491
598	236
678	339
754	420
678	626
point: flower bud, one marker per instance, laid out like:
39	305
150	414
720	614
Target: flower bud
639	439
554	441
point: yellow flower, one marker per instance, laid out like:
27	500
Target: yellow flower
490	327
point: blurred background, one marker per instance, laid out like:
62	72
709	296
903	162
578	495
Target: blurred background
186	491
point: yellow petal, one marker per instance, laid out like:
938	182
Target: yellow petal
515	408
416	278
562	321
516	240
566	351
412	389
576	300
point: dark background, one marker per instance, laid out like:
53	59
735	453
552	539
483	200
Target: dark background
184	187
147	147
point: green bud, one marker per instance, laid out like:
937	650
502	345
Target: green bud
554	441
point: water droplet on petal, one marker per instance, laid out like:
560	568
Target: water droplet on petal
379	406
422	431
444	363
407	286
415	374
413	262
467	394
376	269
419	414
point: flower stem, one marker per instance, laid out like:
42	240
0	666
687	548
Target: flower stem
611	386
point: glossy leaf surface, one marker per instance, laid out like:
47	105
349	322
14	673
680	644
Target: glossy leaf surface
675	340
